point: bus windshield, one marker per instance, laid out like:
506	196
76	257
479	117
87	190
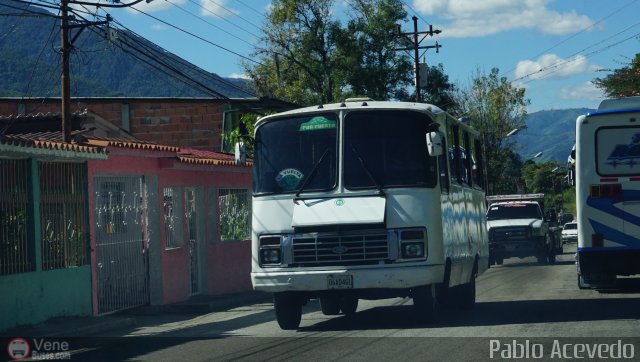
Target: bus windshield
288	149
387	149
514	211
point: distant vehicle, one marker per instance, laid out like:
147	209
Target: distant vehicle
363	200
567	217
517	228
608	192
570	232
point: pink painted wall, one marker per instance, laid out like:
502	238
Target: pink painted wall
228	263
230	267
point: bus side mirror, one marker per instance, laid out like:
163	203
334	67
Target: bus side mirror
434	143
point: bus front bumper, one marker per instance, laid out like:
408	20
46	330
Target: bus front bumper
387	277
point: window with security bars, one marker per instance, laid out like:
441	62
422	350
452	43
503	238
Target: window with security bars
16	250
235	214
63	214
172	209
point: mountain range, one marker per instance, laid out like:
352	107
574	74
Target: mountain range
104	62
552	132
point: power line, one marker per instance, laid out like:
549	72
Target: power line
160	52
207	22
196	36
250	8
578	33
570	60
233	14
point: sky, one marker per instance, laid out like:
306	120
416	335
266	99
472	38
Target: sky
552	48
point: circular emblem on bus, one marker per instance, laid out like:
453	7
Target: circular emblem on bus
289	178
339	202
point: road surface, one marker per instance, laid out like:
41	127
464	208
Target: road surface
521	307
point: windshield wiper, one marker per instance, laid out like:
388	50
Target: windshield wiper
366	170
313	171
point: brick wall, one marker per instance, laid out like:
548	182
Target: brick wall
185	123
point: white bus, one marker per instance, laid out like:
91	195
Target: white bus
367	200
608	192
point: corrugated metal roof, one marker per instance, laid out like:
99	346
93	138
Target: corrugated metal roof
201	157
47	143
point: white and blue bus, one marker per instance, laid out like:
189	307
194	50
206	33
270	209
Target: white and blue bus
367	200
608	192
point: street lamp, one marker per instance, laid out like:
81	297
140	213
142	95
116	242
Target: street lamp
512	132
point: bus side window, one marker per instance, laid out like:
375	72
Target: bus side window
465	154
454	155
443	169
478	157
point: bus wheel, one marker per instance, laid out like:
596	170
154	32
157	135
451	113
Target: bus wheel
500	261
552	258
425	300
348	305
330	305
288	310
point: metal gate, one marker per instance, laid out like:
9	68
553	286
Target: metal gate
191	217
121	243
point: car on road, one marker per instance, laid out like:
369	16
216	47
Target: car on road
570	232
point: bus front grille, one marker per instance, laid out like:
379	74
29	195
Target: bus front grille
325	250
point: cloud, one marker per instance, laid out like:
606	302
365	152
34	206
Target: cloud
551	66
156	5
216	9
586	91
477	18
239	75
159	27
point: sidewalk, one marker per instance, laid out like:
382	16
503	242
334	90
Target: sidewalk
94	326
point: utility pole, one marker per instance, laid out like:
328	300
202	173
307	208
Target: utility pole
416	49
65	48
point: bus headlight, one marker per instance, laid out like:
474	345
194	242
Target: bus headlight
270	250
413	250
270	256
412	244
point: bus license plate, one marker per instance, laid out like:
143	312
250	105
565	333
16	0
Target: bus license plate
340	282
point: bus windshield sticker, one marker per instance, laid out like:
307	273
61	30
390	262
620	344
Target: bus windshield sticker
317	123
289	178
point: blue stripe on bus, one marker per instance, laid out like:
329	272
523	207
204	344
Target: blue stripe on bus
607	248
606	205
614	235
626	110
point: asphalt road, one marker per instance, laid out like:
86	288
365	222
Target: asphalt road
521	307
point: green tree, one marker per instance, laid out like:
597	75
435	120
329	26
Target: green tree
299	60
547	178
623	82
370	64
495	107
439	91
309	57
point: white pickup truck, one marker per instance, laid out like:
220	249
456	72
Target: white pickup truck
517	228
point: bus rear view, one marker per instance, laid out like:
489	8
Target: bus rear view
608	192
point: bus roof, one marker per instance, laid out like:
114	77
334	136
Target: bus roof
367	104
619	104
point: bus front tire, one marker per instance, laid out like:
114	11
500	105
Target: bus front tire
426	302
348	305
288	309
330	305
